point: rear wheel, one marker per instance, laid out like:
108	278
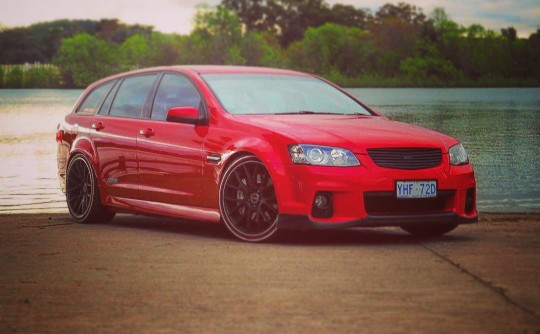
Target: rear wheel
82	193
429	230
247	200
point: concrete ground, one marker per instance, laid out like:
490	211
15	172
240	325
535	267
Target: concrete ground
151	275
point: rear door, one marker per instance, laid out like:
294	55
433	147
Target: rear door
171	154
114	134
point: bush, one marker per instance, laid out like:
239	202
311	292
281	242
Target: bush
14	77
43	76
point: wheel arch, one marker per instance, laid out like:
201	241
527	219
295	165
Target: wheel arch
273	156
86	147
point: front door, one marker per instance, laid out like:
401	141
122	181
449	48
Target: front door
171	154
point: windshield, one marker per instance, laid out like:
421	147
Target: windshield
280	94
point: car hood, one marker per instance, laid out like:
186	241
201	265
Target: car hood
356	133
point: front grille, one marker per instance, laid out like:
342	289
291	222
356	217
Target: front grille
405	158
386	203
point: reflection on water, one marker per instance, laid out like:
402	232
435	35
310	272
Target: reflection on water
499	127
28	181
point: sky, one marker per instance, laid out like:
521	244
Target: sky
175	16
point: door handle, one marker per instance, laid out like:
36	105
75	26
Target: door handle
147	133
98	126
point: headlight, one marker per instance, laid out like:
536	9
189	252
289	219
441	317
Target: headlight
458	155
322	156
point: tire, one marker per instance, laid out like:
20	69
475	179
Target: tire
82	193
247	200
429	230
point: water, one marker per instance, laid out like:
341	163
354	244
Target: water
28	177
499	127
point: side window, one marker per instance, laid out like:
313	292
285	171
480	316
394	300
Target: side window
94	99
132	96
174	91
106	105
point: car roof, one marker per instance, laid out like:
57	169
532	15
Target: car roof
201	69
213	69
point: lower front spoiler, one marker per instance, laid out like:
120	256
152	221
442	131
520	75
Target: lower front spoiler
301	222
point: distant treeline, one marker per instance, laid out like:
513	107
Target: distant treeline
396	46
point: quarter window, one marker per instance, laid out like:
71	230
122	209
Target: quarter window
93	100
106	105
174	91
132	95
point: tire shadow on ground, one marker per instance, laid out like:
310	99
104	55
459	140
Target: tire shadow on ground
353	236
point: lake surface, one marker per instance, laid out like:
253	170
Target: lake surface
499	127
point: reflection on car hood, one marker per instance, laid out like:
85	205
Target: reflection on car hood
356	133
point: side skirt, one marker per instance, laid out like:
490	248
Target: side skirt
129	205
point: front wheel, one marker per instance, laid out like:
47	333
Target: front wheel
247	200
82	193
429	230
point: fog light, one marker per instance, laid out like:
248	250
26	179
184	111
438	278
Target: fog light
322	205
321	201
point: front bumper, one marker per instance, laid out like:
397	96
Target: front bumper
302	222
364	196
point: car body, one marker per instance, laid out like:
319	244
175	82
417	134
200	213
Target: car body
258	149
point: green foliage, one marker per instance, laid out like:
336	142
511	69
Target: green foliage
40	42
14	77
216	38
396	46
289	19
330	48
429	66
84	59
135	51
45	76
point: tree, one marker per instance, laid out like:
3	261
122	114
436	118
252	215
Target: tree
135	51
287	19
84	59
347	15
510	33
216	38
403	11
332	47
252	13
429	65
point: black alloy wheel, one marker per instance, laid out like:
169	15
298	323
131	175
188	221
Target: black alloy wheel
247	200
82	193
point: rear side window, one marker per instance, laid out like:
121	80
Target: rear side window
93	100
106	105
132	95
174	91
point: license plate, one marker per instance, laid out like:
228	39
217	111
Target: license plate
416	189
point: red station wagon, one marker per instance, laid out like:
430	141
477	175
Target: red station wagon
259	150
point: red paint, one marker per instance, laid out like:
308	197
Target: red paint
175	168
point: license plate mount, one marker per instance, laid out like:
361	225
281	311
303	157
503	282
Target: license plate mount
411	189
